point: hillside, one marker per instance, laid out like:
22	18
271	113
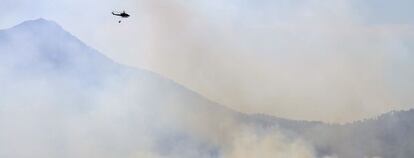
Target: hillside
61	98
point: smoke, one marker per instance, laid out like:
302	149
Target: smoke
350	58
53	118
247	144
273	57
321	59
60	98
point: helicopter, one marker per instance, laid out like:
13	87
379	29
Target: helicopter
122	15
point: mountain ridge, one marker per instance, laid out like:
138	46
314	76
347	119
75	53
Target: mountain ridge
51	72
41	25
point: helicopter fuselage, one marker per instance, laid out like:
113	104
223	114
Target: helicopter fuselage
124	15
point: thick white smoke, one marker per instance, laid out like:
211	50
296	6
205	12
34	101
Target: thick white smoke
60	98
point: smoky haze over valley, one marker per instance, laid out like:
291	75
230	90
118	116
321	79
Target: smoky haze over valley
61	98
332	61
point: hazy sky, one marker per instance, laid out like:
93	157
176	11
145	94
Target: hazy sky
331	60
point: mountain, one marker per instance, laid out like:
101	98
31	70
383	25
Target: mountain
61	98
388	135
53	82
